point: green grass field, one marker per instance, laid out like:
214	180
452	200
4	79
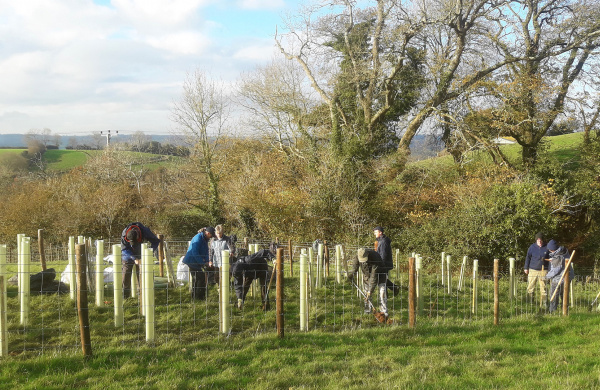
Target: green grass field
564	147
446	350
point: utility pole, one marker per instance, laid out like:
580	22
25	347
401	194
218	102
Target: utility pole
108	135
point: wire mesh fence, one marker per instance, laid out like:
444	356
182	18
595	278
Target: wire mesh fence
333	304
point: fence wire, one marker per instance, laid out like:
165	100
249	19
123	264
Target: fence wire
52	324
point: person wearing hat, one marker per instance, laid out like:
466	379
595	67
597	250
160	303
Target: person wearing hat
558	255
131	245
535	268
196	258
384	248
371	265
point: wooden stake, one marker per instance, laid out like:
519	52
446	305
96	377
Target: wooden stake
41	248
161	256
566	293
279	298
411	293
82	300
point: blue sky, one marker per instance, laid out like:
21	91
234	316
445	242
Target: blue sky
81	66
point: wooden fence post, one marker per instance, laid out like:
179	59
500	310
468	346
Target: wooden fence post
496	292
411	292
280	297
82	300
41	249
566	293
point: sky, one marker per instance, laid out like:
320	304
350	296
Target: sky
84	66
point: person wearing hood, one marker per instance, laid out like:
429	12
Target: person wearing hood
535	269
196	258
558	255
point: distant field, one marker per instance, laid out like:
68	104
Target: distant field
63	160
8	151
564	147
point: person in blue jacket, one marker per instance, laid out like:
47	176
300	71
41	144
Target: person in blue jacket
558	255
535	267
131	244
196	258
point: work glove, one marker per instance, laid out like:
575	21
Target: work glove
368	296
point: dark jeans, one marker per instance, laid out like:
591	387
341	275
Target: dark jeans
127	270
242	282
199	290
554	304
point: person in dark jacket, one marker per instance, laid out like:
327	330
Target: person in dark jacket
196	258
535	268
248	268
558	256
131	244
384	248
371	265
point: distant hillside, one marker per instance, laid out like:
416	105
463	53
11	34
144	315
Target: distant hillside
18	140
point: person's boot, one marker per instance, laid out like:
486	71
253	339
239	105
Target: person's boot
367	307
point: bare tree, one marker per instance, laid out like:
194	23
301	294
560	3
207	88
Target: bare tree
275	96
139	140
202	115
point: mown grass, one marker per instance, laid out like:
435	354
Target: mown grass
449	348
539	352
64	160
563	147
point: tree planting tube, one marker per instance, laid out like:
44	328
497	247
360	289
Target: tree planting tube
419	284
100	273
117	285
511	280
443	262
303	295
475	283
148	301
319	265
225	306
72	269
142	278
26	261
448	273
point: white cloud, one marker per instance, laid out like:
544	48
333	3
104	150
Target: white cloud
75	64
261	4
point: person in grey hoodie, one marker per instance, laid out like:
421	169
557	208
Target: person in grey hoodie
218	244
558	256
